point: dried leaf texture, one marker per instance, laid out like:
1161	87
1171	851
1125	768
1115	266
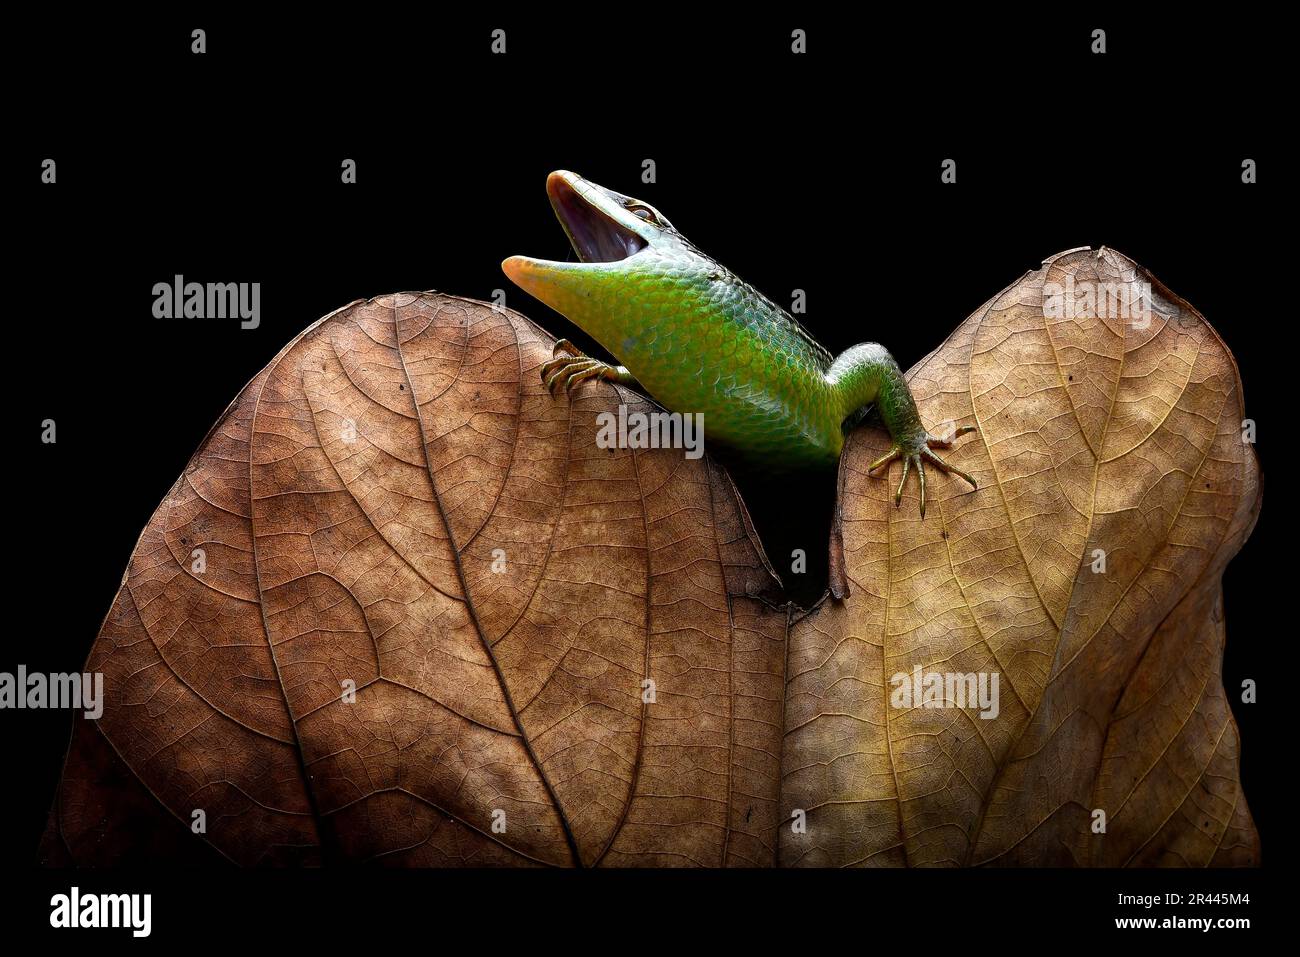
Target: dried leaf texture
562	654
396	502
1096	435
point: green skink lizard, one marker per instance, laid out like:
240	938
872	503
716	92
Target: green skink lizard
697	338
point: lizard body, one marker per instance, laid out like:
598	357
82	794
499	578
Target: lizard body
698	338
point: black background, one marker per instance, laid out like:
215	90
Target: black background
818	172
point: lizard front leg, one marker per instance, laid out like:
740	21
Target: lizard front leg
867	374
574	367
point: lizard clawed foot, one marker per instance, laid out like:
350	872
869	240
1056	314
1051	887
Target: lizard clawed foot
572	368
918	454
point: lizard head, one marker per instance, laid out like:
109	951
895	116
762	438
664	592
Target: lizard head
628	255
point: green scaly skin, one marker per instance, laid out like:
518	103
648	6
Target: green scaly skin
698	338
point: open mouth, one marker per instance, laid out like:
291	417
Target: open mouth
588	216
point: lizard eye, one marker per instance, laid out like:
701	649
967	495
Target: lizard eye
646	213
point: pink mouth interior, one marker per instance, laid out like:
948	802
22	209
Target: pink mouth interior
596	237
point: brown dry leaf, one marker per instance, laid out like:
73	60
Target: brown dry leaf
395	502
351	505
1095	435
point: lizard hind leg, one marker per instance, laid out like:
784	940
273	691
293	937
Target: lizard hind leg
918	457
867	374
